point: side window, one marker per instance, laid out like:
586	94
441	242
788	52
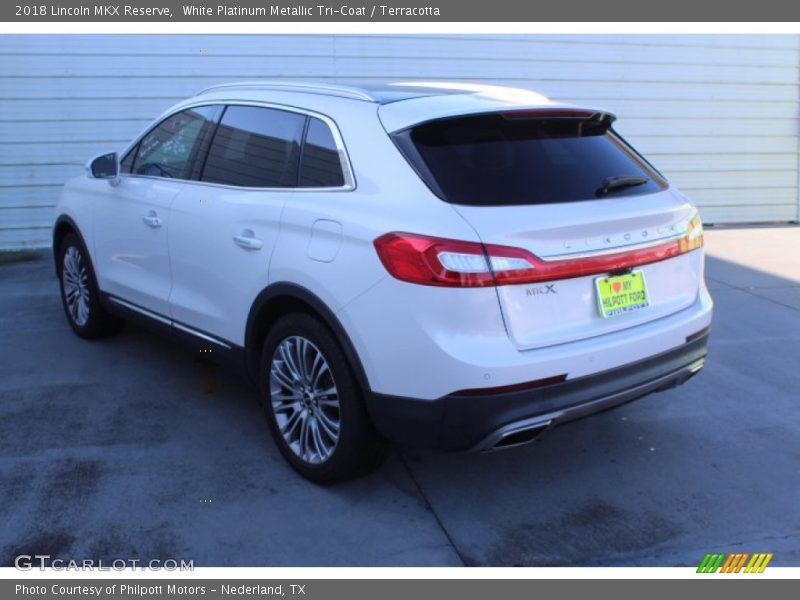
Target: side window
255	147
126	165
170	148
320	165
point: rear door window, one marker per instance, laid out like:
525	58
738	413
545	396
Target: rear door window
518	158
255	147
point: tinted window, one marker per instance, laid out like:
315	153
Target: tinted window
126	166
170	148
320	165
255	147
508	159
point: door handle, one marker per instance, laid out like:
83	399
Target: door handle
248	240
151	219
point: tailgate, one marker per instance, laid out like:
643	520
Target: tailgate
565	310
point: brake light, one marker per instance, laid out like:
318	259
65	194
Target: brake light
442	262
452	263
557	113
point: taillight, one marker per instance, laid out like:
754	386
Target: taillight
435	261
693	238
452	263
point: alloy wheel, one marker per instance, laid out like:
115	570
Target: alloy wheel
305	400
75	283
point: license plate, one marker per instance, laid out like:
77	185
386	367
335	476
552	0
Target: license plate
621	294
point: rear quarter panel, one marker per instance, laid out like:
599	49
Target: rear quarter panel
326	238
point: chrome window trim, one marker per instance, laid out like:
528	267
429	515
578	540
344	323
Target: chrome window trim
344	156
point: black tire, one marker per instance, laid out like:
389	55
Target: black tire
96	322
359	448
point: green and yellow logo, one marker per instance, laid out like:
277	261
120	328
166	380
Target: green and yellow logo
735	563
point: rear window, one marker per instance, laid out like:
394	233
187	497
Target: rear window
519	158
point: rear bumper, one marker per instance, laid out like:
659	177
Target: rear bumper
481	422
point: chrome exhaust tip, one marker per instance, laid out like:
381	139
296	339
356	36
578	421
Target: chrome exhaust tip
513	435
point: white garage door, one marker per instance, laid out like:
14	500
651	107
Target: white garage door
718	114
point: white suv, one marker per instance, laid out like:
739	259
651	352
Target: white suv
451	266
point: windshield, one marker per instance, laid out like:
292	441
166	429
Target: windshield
520	158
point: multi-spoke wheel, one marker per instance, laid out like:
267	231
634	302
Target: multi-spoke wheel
313	403
75	284
305	400
79	291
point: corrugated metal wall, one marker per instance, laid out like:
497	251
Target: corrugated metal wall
718	114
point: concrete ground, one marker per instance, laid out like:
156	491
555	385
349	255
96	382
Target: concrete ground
130	448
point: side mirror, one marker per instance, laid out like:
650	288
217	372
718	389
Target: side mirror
105	166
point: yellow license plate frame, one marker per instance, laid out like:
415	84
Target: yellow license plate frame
621	294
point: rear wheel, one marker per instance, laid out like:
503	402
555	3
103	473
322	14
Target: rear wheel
313	403
79	293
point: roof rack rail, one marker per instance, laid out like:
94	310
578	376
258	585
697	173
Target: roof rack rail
325	89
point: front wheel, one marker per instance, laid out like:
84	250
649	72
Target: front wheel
313	403
79	293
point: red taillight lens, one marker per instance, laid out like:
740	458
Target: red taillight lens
434	261
557	113
691	239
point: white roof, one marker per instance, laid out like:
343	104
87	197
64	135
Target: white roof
400	105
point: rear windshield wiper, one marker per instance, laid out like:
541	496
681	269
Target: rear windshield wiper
619	182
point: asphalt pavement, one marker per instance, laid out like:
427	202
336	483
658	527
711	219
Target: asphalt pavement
133	447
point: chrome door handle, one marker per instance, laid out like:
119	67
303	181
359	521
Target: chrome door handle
151	219
248	240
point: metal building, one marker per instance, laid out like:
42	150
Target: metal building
717	114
